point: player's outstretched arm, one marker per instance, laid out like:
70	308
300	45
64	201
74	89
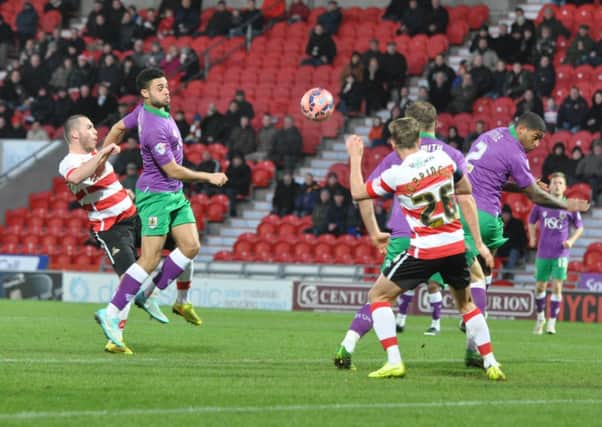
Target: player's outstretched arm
115	134
379	239
543	198
355	149
463	191
89	168
176	171
532	235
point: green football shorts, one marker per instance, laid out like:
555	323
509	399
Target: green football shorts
555	269
492	233
160	212
398	245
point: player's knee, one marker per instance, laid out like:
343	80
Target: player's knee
191	249
149	262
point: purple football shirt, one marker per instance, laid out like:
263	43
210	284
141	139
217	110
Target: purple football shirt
554	227
397	222
160	143
494	157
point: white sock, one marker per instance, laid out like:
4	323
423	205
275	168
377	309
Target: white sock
123	317
551	323
435	298
350	341
186	276
488	281
112	311
401	319
476	327
150	287
384	326
436	324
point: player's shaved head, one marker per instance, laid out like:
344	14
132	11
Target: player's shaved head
532	122
424	113
405	132
146	76
71	124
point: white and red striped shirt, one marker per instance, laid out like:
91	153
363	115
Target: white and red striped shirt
424	185
103	197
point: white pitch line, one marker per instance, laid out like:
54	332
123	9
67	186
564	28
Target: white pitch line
289	408
134	360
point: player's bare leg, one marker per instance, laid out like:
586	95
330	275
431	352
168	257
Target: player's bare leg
381	296
555	301
436	301
477	329
540	307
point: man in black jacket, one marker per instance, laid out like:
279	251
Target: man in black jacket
394	67
413	20
212	126
573	111
283	202
320	48
239	181
437	18
287	147
331	19
220	22
555	26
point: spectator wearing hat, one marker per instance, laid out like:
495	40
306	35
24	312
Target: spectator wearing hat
331	19
244	106
320	48
283	202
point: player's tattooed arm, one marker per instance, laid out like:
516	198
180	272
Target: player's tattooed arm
176	171
89	168
543	198
115	134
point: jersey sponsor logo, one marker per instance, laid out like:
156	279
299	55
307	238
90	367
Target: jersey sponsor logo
553	223
153	221
160	148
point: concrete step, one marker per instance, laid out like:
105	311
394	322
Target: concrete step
210	250
334	156
243	223
254	214
235	232
320	163
220	241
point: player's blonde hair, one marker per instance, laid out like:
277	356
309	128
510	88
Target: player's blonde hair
557	175
424	113
405	132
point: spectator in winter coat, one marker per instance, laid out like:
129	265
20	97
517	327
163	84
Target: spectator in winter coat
521	23
242	138
212	126
239	181
439	65
545	45
544	77
372	52
331	19
110	74
580	48
37	133
440	91
394	67
251	12
101	30
35	75
437	18
298	12
556	161
171	63
395	10
376	133
342	217
376	96
319	214
454	139
589	169
463	97
320	48
6	39
60	76
231	119
505	45
413	21
307	196
287	147
130	155
554	25
127	30
517	81
244	106
576	157
283	202
354	68
265	138
63	108
573	111
210	165
593	121
187	19
529	103
27	23
482	76
351	96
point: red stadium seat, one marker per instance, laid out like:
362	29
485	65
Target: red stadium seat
287	230
216	212
223	256
582	139
579	191
266	228
261	178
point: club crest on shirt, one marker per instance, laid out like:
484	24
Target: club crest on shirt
160	148
152	222
562	215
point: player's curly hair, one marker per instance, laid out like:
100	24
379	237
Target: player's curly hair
424	113
147	75
405	132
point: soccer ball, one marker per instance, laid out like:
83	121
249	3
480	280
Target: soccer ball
317	104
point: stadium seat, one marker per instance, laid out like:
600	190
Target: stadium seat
591	258
223	256
287	230
266	228
260	178
216	212
582	139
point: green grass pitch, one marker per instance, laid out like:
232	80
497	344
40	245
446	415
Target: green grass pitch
252	368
